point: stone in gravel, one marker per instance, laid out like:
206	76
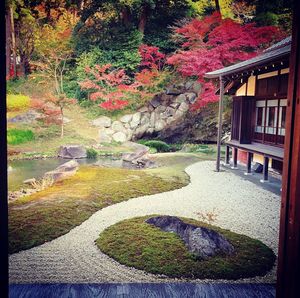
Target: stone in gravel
203	242
169	112
72	151
143	110
102	121
119	137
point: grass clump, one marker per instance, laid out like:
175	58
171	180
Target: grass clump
54	211
137	244
91	153
19	136
17	102
158	145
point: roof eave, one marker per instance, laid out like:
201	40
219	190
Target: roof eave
218	73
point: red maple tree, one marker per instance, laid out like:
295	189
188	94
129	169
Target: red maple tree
152	58
213	43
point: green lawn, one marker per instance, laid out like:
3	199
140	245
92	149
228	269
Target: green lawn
52	212
137	244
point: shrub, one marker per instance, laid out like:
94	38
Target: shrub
160	146
17	102
19	136
91	153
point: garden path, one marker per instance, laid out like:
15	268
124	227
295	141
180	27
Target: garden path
240	205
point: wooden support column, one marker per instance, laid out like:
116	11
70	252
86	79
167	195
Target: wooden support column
288	272
227	157
249	160
220	124
265	170
235	155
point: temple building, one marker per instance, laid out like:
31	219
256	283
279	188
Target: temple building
259	89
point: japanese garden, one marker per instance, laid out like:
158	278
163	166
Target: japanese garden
116	114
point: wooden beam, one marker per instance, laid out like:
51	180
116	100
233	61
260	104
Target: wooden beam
220	124
288	281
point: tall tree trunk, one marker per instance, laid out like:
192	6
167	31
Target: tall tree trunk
7	41
13	41
143	20
62	122
125	14
217	6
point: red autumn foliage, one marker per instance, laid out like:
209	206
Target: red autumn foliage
151	57
213	43
114	87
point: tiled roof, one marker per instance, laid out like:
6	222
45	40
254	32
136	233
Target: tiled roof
278	50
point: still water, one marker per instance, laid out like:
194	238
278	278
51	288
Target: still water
20	170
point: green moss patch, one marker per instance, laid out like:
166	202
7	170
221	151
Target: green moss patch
137	244
50	213
19	136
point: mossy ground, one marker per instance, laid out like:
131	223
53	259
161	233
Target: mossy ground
54	211
137	244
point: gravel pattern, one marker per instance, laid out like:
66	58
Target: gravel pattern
242	207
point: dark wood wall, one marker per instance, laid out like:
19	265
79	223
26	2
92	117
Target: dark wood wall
288	275
243	109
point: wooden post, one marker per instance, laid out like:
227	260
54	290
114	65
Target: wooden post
288	272
227	157
249	160
235	155
220	124
265	170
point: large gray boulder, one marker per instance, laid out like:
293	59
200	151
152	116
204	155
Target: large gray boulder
63	171
203	242
72	151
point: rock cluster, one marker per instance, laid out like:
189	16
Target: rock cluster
164	110
203	242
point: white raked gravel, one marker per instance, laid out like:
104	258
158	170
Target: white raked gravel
242	207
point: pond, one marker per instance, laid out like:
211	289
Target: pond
20	170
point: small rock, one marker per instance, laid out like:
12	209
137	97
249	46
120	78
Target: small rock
173	91
143	110
29	181
169	112
184	107
72	151
119	137
160	109
136	118
104	136
180	99
155	102
126	118
102	121
118	126
159	125
191	97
